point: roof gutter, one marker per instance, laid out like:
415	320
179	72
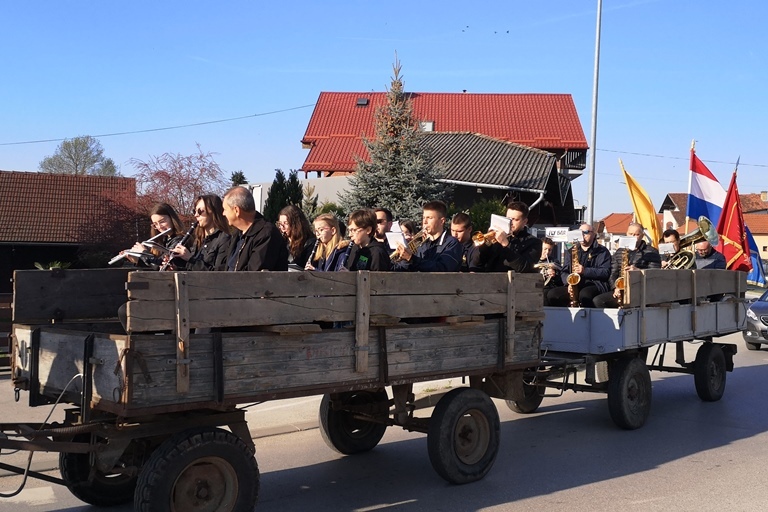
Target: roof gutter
498	187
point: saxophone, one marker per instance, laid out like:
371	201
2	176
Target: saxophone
621	282
574	278
413	244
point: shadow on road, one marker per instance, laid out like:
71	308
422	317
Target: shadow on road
562	446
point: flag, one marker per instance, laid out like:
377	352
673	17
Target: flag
731	228
645	213
706	197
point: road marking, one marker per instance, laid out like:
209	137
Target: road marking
33	497
384	505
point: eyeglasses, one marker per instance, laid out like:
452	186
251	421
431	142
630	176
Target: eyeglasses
586	231
353	231
321	230
200	212
282	224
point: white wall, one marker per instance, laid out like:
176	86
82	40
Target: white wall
326	189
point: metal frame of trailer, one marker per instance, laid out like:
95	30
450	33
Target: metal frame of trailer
617	348
153	365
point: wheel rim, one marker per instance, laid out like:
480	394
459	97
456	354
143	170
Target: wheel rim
636	396
471	437
357	428
715	376
209	484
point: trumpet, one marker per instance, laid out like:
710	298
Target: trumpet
480	238
123	254
413	244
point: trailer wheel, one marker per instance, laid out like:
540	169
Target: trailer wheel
709	372
199	470
629	392
104	490
463	436
345	433
531	401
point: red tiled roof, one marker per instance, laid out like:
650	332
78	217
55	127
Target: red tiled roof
542	121
58	208
752	203
757	223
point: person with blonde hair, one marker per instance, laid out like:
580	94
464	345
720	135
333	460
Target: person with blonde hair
330	247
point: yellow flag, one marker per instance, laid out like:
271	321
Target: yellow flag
645	213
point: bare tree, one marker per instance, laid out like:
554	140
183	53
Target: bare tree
177	179
80	155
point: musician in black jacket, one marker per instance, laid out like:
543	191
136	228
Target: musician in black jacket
163	217
211	236
517	250
298	234
641	257
257	244
365	252
593	265
440	252
461	230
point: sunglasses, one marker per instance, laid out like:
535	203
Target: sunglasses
585	232
200	211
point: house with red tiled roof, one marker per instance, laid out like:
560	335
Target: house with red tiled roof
674	207
542	121
547	123
56	217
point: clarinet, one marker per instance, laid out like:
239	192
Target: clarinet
313	253
183	241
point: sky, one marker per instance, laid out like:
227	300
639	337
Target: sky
246	75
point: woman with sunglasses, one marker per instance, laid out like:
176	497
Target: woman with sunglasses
211	236
295	228
163	217
331	248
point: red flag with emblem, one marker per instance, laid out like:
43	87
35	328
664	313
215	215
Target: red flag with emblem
732	231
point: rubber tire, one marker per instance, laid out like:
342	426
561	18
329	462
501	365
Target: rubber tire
709	373
104	491
530	403
346	434
463	435
629	392
180	456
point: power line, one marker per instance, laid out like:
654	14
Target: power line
203	123
741	164
164	128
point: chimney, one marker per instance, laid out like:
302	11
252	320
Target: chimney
764	196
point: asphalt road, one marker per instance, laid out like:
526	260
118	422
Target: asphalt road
689	456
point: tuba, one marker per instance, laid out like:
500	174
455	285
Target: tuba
686	258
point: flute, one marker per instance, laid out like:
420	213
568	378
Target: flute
183	241
122	255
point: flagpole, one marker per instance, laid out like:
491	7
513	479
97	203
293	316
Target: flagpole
690	176
593	134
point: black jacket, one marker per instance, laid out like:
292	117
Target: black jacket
371	257
470	260
520	255
440	255
212	254
645	256
597	266
306	252
261	247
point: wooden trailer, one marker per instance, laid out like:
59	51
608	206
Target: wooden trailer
153	364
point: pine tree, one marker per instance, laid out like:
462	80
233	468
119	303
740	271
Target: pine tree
309	202
400	174
281	193
238	178
276	197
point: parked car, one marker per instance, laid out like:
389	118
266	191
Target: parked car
756	333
